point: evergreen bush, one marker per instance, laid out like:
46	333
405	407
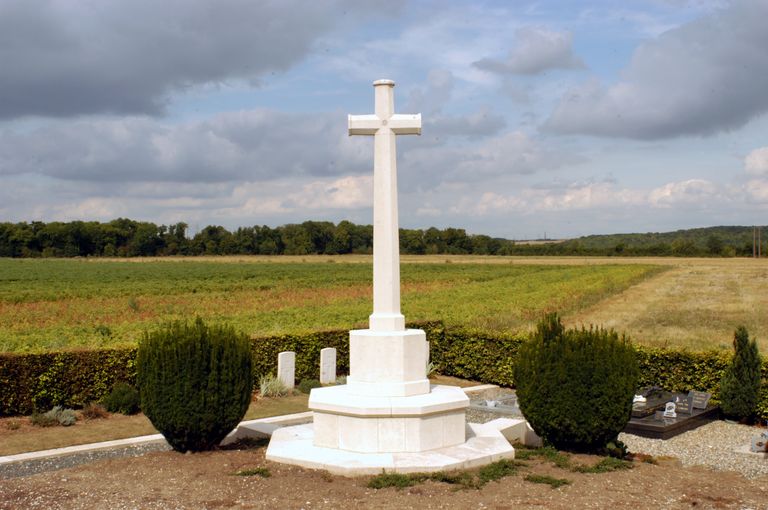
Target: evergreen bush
575	387
123	399
740	386
307	385
195	382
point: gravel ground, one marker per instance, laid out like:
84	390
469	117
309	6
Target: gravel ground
31	467
710	445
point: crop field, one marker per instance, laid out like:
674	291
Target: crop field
50	304
81	303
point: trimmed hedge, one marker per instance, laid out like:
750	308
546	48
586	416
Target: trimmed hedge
74	378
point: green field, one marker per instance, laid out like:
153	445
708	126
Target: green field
64	303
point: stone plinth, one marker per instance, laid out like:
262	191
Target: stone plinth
388	363
370	424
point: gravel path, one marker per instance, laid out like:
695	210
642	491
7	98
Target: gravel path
31	467
710	445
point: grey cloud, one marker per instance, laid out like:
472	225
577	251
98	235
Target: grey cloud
707	76
67	58
431	98
478	124
504	155
537	51
257	145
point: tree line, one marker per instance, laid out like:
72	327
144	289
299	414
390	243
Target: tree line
129	238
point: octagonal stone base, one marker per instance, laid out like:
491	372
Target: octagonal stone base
369	424
295	445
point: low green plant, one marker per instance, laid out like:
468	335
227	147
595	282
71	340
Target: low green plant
548	453
462	479
575	386
740	385
606	465
397	480
548	480
497	470
123	399
259	471
341	380
56	416
67	417
271	386
42	420
306	385
195	382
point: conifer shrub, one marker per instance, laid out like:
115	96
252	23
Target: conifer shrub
195	382
740	385
575	387
123	399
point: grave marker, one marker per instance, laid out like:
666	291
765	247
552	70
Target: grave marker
286	368
700	399
328	365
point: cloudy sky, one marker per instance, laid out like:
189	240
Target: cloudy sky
559	117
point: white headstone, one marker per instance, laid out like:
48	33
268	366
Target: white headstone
328	365
286	368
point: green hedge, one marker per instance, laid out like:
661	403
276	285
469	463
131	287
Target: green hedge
489	358
74	378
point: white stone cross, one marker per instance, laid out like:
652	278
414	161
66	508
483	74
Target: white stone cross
384	125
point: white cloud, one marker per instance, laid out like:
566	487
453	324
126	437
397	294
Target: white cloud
756	162
696	192
707	76
538	50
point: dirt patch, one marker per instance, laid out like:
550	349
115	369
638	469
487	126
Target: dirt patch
208	480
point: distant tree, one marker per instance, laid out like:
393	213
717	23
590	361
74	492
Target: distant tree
715	245
412	242
297	240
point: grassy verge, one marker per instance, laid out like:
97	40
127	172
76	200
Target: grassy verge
18	436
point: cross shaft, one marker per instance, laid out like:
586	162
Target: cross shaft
384	125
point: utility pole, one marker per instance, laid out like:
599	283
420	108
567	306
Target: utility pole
754	241
759	242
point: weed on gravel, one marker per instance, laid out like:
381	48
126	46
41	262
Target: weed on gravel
606	465
259	471
396	480
548	480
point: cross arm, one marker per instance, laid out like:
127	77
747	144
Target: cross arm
404	124
363	124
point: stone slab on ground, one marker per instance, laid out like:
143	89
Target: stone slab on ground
294	445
